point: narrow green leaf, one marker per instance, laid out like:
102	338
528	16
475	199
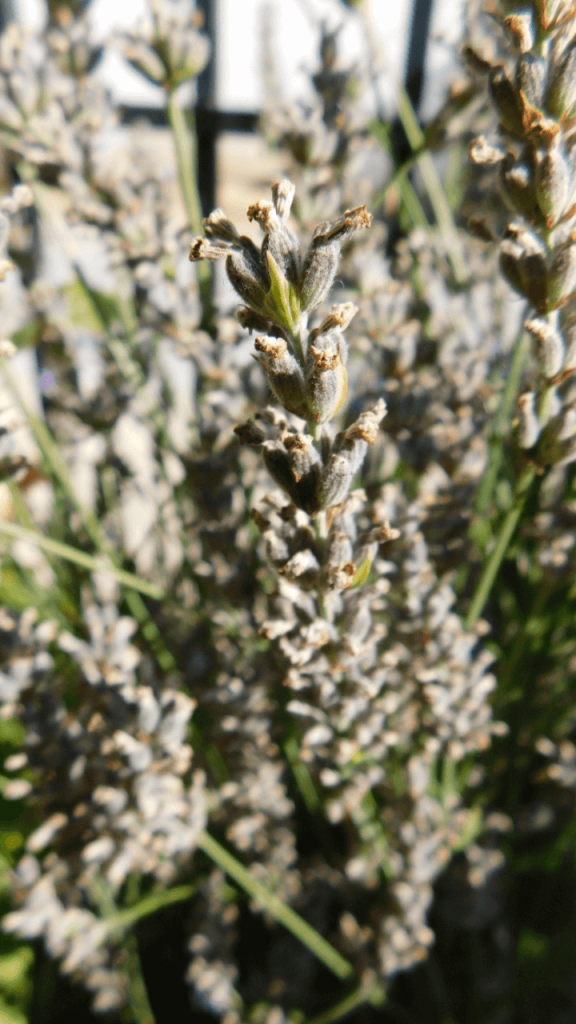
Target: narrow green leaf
276	907
362	573
281	300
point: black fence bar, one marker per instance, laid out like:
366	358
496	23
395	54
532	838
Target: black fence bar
207	127
413	70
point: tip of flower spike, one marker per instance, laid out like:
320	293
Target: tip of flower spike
358	217
202	249
283	194
261	212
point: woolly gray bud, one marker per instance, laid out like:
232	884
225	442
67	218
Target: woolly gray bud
518	185
321	261
553	182
522	28
339	318
562	278
529	425
561	96
303	457
482	153
283	374
279	462
326	378
335	480
246	278
523	262
280	241
550	346
531	76
505	98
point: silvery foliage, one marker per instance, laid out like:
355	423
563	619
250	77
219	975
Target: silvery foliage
349	649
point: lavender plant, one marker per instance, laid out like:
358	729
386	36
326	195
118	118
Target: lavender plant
225	672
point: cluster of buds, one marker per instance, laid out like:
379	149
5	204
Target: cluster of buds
535	154
170	49
305	369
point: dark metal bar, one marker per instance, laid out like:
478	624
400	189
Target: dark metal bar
223	120
207	128
413	70
416	58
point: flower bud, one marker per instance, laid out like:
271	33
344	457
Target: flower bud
529	425
550	345
283	374
326	379
504	96
531	75
561	96
519	187
322	259
562	276
334	482
280	241
521	26
553	182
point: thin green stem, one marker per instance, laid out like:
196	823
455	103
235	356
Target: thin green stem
124	919
497	556
276	907
138	1001
94	563
433	186
302	777
59	470
501	421
184	136
371	992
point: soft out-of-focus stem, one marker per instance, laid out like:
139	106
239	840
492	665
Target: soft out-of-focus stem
497	556
367	992
124	919
433	186
182	126
276	907
90	523
185	148
56	547
501	421
138	1002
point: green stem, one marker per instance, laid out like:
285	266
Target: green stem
124	919
184	145
496	558
183	134
276	907
433	186
52	456
501	421
372	993
138	1001
95	564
